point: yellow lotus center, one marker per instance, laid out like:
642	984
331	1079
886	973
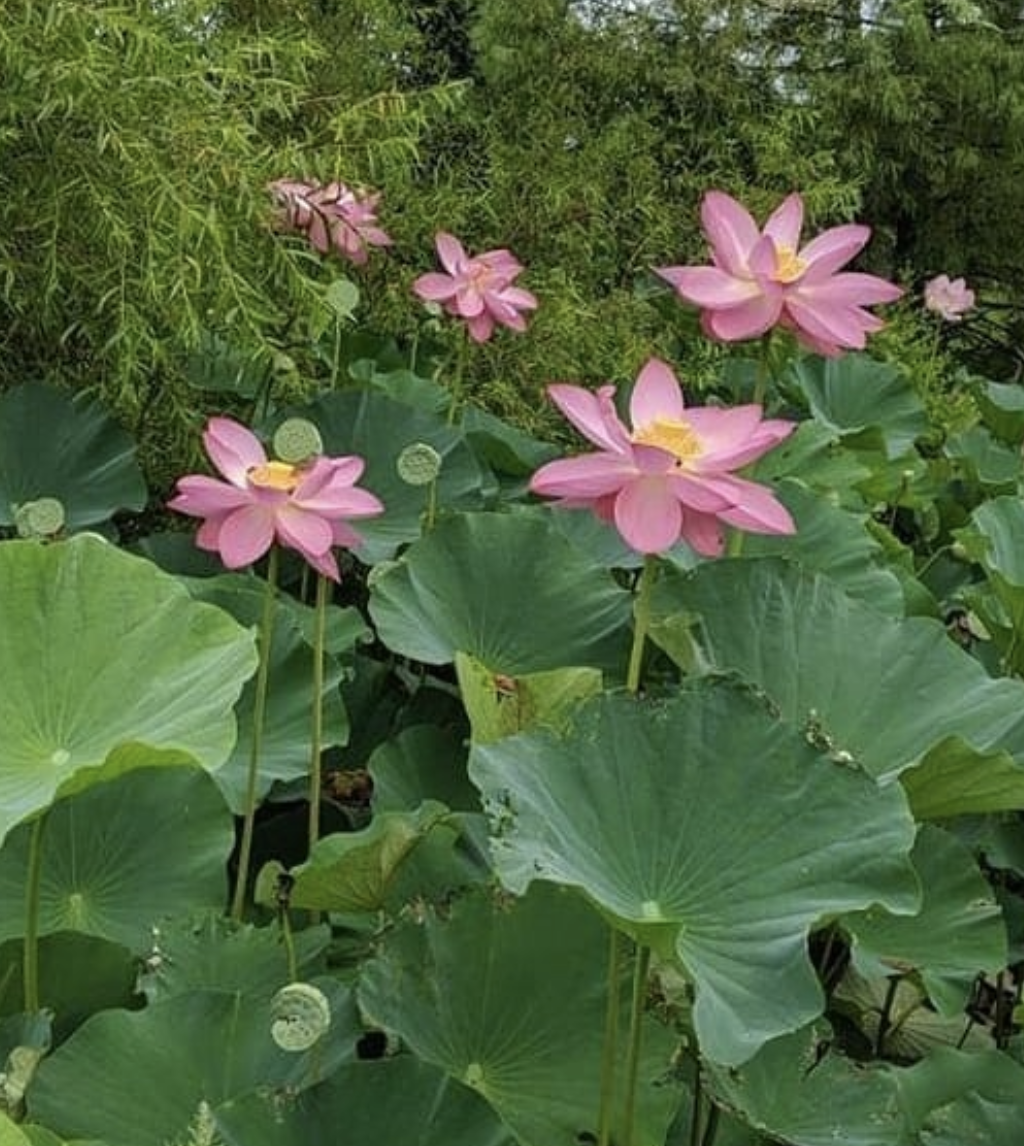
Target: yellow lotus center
673	435
275	475
788	265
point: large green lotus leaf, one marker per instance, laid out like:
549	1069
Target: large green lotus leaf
1002	406
813	456
53	445
957	934
855	392
509	998
390	1102
974	1121
353	872
796	1091
995	538
428	762
832	541
999	527
704	821
954	781
500	705
882	690
138	1079
422	762
992	462
122	857
948	1075
107	665
377	428
506	589
211	952
285	749
78	976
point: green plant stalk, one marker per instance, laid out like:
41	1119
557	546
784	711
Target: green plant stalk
33	883
610	1050
265	637
289	944
636	1017
455	395
317	736
430	517
641	622
764	369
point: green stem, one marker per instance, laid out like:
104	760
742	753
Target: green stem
640	969
430	517
316	739
610	1050
455	383
265	636
641	622
336	356
764	369
696	1121
30	960
289	945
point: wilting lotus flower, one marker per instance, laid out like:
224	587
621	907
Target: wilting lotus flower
761	279
950	299
303	507
670	477
331	216
478	289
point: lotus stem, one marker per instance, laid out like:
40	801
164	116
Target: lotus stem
640	968
764	369
641	622
265	638
609	1053
316	739
33	884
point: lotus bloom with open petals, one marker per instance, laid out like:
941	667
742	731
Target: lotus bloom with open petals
332	216
670	477
478	289
303	507
950	299
764	278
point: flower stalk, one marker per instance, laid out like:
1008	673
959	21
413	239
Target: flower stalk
641	622
316	738
610	1050
641	966
33	883
265	638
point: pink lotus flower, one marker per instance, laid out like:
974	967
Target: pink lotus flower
669	478
478	289
761	279
331	216
303	507
951	299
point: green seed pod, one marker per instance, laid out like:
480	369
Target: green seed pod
418	464
297	440
300	1016
43	517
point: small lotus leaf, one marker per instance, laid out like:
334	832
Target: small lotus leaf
55	445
